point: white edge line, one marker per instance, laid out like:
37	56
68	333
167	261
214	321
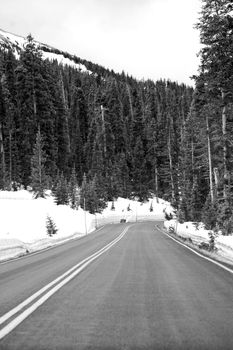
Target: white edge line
202	256
14	323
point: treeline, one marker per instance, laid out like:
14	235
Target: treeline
125	136
208	137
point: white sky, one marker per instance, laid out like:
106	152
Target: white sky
145	38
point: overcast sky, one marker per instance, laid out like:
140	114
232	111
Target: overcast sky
145	38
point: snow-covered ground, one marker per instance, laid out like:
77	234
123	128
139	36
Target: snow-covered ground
199	234
23	220
64	61
23	223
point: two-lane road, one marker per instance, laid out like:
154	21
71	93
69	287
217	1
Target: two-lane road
143	292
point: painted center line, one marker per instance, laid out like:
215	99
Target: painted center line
57	284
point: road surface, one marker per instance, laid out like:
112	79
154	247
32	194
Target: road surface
143	291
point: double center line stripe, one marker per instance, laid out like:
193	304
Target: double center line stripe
57	284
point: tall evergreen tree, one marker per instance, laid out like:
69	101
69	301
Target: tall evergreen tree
216	28
61	191
30	94
39	179
73	190
91	197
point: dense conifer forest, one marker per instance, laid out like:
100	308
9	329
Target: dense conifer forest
112	135
123	134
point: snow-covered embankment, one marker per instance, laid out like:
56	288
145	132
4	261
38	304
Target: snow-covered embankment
198	234
23	220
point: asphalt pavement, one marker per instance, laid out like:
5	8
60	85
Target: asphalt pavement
142	291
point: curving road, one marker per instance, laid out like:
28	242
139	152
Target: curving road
142	291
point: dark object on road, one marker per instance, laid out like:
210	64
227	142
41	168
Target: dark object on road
123	221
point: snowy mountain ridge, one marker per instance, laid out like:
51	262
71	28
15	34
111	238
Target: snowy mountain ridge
17	42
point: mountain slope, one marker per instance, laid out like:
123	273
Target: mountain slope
109	127
17	42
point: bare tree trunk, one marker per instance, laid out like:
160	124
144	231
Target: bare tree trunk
34	102
2	158
224	134
216	180
192	158
156	182
40	156
103	130
210	160
66	110
10	158
130	102
182	164
171	165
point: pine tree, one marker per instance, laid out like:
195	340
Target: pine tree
39	178
46	115
73	190
2	161
61	191
116	129
225	218
216	69
195	207
91	198
139	171
209	214
51	226
153	153
62	128
9	118
78	130
32	103
214	86
8	129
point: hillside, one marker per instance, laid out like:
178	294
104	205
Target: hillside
16	44
78	115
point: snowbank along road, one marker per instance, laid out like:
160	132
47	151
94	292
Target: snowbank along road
124	287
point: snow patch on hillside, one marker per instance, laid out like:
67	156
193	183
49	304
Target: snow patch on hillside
12	38
64	61
19	42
